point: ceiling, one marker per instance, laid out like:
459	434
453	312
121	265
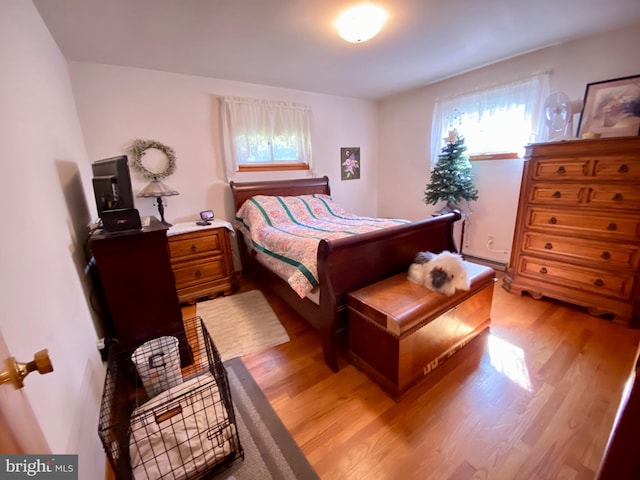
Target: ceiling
293	44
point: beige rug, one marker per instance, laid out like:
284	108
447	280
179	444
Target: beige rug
241	324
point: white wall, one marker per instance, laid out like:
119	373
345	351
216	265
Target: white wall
405	133
117	105
44	216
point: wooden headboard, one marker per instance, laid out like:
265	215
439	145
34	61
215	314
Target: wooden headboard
242	191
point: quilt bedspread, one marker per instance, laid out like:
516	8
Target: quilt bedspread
285	233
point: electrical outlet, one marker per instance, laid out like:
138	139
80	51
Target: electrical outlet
491	239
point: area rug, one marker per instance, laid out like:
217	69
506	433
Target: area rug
241	324
269	450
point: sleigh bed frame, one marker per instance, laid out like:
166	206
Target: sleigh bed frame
345	264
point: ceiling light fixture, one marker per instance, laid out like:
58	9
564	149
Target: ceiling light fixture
361	23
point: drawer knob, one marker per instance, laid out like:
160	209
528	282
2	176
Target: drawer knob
556	195
623	169
561	169
605	255
612	227
194	247
598	282
198	273
553	220
548	246
543	270
618	197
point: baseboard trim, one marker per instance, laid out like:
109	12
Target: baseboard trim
497	266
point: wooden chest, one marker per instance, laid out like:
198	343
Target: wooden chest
399	331
577	235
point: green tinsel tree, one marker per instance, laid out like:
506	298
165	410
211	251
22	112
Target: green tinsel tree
451	177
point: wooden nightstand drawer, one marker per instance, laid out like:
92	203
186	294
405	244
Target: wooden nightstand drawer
190	273
201	261
193	244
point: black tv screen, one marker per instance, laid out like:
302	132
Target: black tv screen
112	184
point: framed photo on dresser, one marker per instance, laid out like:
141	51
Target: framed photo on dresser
611	108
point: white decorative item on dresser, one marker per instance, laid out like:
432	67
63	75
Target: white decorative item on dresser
201	260
577	235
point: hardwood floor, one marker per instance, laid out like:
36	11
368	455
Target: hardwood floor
533	399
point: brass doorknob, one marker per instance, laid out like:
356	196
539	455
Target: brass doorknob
16	371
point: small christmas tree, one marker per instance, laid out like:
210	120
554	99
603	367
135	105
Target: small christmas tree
451	177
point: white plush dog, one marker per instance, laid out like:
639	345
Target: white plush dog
443	272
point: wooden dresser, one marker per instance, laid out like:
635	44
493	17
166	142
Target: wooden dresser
577	234
135	279
201	260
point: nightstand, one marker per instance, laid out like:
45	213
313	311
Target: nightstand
201	260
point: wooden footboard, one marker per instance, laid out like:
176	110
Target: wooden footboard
346	264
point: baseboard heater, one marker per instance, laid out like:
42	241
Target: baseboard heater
497	266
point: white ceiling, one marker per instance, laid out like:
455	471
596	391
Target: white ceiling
293	44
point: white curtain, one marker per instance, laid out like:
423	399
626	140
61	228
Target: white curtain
247	122
502	118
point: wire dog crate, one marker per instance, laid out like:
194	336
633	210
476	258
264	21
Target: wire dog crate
169	423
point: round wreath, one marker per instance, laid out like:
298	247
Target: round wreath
139	148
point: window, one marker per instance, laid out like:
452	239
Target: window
496	122
265	135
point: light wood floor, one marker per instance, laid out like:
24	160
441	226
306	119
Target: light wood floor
534	399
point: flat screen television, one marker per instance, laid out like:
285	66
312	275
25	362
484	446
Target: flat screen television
112	184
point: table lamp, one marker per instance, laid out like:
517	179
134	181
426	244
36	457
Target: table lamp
157	189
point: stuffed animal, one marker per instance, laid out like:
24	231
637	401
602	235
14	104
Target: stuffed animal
443	272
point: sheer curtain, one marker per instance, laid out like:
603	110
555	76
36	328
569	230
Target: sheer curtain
502	118
263	132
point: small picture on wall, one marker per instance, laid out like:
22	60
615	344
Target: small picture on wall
350	163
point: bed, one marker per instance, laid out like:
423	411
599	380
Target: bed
343	264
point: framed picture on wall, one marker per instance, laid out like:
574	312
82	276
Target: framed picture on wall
611	108
350	163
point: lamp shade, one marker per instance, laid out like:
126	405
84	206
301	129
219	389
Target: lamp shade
157	189
360	23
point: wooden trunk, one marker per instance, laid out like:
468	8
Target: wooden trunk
399	331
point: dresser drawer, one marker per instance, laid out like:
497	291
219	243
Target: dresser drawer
584	223
557	194
561	169
598	253
201	262
623	168
206	242
610	284
190	273
620	196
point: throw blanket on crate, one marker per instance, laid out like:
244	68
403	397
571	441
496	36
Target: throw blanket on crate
285	233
